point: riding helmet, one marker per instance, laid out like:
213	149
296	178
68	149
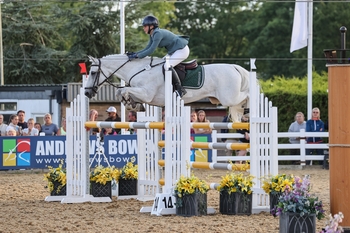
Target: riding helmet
150	20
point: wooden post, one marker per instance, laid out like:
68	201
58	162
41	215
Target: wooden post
339	139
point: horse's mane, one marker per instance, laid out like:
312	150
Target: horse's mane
116	56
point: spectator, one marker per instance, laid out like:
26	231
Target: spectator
230	140
194	118
202	118
37	125
63	127
315	124
296	126
11	132
49	128
3	126
112	116
246	138
109	130
21	122
132	117
30	131
93	117
13	124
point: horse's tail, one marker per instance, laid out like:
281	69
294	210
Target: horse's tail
237	111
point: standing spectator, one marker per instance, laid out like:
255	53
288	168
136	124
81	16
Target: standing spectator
13	125
21	122
315	124
49	128
30	131
63	126
246	138
112	116
93	117
202	118
194	118
132	117
296	126
3	126
37	125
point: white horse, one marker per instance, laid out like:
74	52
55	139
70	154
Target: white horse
225	84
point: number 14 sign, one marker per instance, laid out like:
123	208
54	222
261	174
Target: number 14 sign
164	204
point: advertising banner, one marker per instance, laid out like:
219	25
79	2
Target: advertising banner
39	152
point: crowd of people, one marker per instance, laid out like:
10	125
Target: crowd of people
18	126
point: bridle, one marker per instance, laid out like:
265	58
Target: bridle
96	83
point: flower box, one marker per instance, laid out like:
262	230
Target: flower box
58	189
127	187
293	222
191	204
236	203
101	190
274	199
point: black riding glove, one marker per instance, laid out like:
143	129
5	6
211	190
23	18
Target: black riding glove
132	56
129	53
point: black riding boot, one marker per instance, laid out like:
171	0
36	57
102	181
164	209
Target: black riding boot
180	90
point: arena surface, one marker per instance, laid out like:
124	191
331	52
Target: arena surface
23	209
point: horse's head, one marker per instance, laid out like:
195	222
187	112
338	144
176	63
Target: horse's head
102	69
91	86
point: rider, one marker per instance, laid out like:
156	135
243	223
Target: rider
175	45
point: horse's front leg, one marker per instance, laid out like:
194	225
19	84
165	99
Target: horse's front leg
137	94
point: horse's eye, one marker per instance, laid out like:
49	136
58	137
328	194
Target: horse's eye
93	72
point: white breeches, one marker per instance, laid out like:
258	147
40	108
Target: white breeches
178	56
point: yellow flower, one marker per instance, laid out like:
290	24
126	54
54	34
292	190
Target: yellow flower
190	185
236	183
56	175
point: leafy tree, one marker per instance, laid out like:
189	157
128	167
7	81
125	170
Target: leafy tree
215	30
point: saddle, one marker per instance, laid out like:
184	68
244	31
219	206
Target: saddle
183	66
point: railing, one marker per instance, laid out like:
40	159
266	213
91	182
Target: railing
303	146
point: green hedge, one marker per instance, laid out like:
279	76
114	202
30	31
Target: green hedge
290	97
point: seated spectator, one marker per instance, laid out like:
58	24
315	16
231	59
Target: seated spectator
11	132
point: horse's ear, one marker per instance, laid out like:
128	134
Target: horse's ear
91	58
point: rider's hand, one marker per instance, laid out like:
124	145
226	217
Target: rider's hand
132	56
129	53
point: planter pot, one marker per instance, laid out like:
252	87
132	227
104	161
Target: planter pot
293	222
58	189
101	190
235	203
127	187
274	200
191	205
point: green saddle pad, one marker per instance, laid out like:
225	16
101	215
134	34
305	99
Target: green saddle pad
194	78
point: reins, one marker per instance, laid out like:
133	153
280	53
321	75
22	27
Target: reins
96	84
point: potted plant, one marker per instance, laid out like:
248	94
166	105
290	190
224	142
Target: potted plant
191	196
236	193
127	179
298	208
101	180
57	180
276	185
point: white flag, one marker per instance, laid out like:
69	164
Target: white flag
300	32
